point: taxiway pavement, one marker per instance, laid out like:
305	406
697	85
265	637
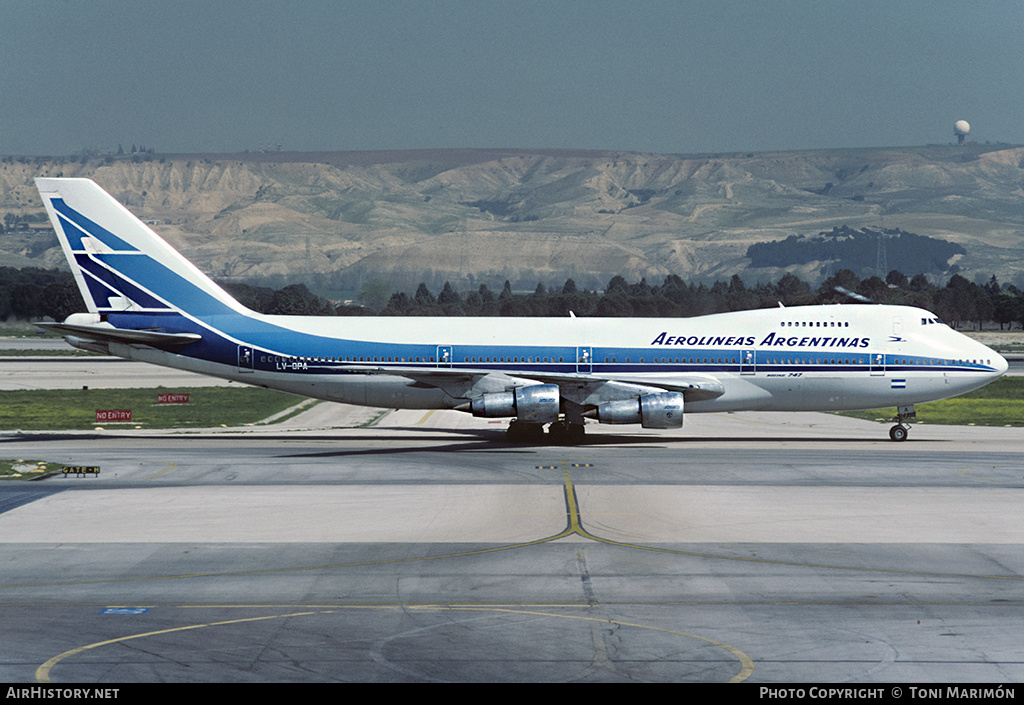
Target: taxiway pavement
765	548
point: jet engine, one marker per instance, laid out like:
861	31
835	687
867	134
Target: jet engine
664	410
534	404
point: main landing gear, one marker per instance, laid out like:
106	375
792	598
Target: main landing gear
566	433
562	432
901	430
522	432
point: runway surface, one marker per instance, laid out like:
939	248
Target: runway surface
765	548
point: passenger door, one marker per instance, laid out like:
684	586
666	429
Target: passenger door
584	360
245	358
748	364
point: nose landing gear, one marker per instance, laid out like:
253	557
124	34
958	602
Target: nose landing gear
901	430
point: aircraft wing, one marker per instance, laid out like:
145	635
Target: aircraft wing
583	388
694	387
109	334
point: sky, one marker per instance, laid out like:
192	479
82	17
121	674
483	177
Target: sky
673	76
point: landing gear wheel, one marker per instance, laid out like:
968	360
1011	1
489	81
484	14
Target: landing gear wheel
522	432
901	430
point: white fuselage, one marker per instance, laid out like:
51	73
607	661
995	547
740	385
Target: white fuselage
811	358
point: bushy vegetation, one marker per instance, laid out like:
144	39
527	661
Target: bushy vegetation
858	249
292	300
959	303
32	294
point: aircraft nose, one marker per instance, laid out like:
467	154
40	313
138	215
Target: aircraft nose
996	361
1000	364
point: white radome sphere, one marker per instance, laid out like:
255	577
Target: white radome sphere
961	127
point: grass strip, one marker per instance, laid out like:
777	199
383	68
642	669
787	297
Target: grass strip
1000	403
27	469
75	409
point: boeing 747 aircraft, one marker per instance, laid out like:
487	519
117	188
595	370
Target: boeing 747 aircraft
147	302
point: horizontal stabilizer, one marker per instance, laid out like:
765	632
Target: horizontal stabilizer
109	334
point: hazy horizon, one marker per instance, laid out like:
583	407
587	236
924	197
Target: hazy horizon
650	75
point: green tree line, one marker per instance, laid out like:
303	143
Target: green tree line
960	302
33	294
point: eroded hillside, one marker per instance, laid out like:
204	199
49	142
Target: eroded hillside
470	216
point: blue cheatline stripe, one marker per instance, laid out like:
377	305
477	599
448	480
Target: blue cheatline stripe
165	284
73	234
103	235
116	282
99	291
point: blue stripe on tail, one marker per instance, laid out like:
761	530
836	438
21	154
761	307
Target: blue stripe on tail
75	234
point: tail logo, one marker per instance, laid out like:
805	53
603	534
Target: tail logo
97	251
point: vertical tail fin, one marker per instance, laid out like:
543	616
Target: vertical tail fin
120	264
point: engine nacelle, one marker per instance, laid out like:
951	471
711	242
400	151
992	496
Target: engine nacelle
534	404
663	410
